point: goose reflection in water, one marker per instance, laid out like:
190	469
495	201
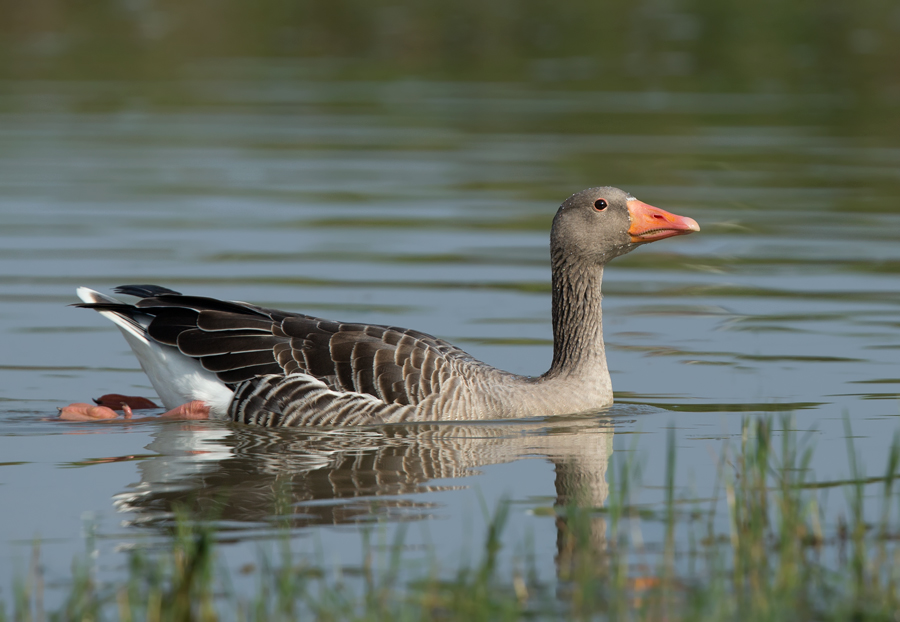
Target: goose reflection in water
250	474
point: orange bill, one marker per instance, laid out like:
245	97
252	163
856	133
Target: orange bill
649	223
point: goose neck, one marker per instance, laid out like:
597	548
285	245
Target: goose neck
578	349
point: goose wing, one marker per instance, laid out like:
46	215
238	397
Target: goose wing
239	342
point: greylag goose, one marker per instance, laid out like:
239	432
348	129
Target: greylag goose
209	358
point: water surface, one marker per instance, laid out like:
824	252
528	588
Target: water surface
428	205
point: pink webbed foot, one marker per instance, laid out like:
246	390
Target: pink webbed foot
105	408
192	410
87	412
103	411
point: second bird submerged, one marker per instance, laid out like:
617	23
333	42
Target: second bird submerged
233	360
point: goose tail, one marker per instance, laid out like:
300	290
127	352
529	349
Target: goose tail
177	378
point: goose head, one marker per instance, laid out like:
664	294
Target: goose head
598	224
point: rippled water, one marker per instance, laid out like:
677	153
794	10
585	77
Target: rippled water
428	205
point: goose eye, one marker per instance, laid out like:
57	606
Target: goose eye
600	205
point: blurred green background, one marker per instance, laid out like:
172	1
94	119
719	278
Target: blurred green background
827	68
847	52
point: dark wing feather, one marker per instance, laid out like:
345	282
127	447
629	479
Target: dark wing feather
144	291
234	362
214	321
241	374
177	320
200	303
199	343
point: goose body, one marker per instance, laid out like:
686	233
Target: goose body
263	366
